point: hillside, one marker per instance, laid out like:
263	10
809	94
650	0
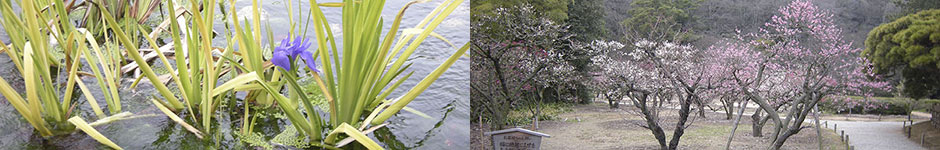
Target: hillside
718	18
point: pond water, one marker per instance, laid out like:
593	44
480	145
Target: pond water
446	101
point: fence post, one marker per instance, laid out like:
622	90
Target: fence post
847	142
922	136
826	123
842	137
835	127
847	146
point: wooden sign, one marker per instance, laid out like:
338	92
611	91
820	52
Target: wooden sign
516	139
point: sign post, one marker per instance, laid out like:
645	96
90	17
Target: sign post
516	139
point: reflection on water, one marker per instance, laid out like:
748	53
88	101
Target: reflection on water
446	101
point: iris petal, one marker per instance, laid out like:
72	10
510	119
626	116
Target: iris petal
296	42
305	44
281	59
295	48
280	49
289	50
285	42
308	58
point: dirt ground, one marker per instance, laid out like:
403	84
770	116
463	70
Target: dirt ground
930	134
596	126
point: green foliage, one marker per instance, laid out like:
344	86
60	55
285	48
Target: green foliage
887	106
911	40
555	10
649	19
911	45
586	21
586	18
920	82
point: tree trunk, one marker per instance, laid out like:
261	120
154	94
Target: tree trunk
756	124
799	115
583	93
538	108
736	121
818	131
612	102
651	120
729	108
771	112
683	117
507	101
538	112
616	104
701	109
795	128
783	138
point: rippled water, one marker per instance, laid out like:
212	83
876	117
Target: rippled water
446	101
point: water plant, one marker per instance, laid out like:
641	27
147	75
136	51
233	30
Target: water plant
195	75
358	83
127	12
40	63
361	84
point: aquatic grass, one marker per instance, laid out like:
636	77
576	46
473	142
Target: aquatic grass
360	84
107	76
89	129
175	118
289	107
135	54
249	42
247	36
355	134
200	65
195	74
24	108
366	96
91	100
127	12
34	56
31	51
81	124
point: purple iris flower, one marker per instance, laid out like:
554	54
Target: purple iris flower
289	50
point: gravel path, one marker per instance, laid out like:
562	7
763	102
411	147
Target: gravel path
876	135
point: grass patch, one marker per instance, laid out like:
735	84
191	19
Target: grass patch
550	111
927	131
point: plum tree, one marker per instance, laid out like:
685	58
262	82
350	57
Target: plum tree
798	59
514	51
